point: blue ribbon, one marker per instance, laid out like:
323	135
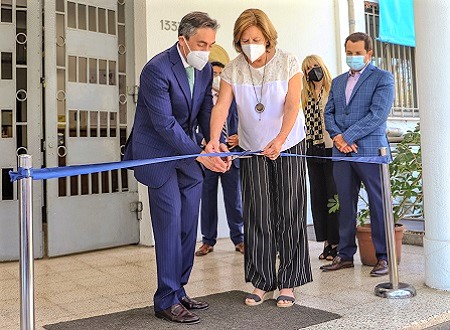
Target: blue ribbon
59	172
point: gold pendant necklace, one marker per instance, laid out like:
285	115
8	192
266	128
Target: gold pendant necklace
259	107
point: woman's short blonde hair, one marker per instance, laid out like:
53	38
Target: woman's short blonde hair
258	18
308	86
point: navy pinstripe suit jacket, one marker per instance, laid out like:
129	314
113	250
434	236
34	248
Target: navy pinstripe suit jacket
166	115
363	119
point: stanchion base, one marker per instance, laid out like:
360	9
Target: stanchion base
403	291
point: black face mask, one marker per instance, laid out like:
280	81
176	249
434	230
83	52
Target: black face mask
316	74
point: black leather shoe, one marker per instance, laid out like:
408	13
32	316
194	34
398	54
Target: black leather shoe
338	263
190	303
380	269
179	314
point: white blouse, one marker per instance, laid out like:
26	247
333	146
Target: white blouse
255	129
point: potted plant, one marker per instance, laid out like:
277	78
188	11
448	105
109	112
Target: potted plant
407	195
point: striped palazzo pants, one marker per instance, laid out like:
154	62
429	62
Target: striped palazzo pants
274	210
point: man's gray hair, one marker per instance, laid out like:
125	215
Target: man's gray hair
193	21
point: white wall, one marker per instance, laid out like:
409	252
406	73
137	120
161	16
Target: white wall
304	27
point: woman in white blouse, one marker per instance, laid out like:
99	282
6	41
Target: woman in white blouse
266	82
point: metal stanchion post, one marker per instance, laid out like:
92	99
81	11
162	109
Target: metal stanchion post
393	289
26	248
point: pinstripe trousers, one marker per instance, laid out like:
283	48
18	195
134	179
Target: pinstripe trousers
274	210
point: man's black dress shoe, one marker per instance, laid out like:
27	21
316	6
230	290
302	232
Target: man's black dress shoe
178	313
338	263
380	269
190	303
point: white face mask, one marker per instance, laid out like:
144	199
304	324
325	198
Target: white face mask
196	58
253	51
216	83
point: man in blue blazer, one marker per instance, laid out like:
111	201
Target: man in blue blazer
355	116
174	97
231	185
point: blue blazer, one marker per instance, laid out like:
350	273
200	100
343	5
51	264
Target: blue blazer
363	119
166	115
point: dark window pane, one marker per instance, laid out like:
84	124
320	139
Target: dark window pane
60	46
6	16
73	185
85	184
71	15
115	180
7	124
101	20
21	3
112	124
82	19
111	22
6	67
62	187
105	182
82	66
92	70
103	124
21	31
112	72
72	68
60	5
95	187
92	14
83	123
124	179
73	123
22	140
102	72
94	123
7	185
121	13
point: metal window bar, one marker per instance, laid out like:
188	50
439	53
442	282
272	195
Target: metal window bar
397	59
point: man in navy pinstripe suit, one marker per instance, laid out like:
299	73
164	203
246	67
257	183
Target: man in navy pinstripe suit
355	116
174	97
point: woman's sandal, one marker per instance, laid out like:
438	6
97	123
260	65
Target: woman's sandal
257	300
326	252
281	301
332	254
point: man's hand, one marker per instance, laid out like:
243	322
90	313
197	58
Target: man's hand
216	164
343	146
233	141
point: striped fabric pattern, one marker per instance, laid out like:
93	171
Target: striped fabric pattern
274	209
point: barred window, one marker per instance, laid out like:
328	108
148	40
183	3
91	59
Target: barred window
400	60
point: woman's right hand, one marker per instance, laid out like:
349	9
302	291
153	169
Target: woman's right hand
212	146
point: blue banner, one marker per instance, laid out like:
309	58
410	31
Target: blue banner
397	22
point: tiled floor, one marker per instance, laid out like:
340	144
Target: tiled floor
112	280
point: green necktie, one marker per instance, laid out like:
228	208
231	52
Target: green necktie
190	75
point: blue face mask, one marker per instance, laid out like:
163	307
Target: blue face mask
355	63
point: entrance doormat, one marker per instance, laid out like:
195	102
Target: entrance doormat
226	311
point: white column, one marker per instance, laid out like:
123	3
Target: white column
141	49
432	26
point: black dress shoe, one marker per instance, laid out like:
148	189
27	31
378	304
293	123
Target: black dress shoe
179	314
380	269
338	263
190	303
